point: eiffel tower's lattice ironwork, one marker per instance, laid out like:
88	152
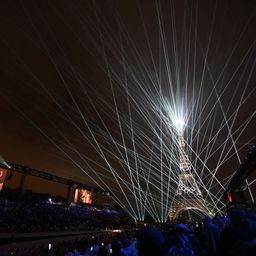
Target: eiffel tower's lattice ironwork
188	194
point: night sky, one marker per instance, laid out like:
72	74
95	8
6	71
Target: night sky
54	54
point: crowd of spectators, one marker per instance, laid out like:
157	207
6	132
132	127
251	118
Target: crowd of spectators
231	235
23	216
112	243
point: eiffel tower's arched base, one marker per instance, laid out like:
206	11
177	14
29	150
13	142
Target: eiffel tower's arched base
187	204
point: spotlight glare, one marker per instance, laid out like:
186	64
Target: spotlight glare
179	124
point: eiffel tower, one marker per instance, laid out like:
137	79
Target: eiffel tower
188	194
